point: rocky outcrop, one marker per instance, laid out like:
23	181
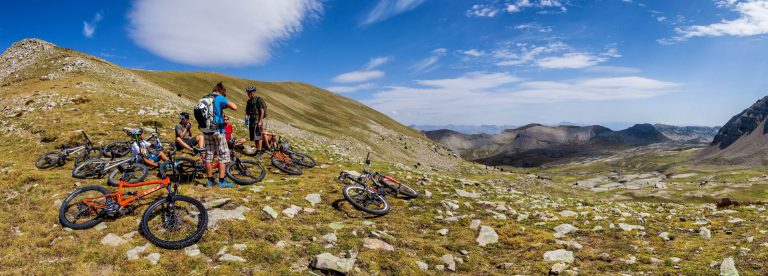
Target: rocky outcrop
742	140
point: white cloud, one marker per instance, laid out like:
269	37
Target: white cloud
603	69
377	61
473	53
430	63
89	28
224	33
570	61
350	89
494	95
482	11
525	53
358	76
388	8
752	20
534	27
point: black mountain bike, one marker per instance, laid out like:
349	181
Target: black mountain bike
368	191
287	160
122	148
241	171
59	158
130	169
171	222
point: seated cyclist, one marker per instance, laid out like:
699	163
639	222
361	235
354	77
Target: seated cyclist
140	148
184	138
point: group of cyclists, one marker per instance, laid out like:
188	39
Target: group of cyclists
216	138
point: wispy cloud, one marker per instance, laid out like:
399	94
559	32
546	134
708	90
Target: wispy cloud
89	27
351	89
358	76
482	10
555	55
492	94
218	33
752	20
389	8
495	8
430	63
377	61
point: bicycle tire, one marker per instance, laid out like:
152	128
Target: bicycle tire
115	175
398	187
88	169
116	149
64	207
361	206
284	167
303	159
233	172
47	161
187	241
88	154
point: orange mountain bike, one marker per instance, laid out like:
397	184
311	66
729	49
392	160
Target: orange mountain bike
172	222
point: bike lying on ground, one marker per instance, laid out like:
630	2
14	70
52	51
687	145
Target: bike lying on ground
368	191
119	149
241	171
129	169
289	161
59	158
170	222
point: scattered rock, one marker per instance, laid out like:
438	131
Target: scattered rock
422	265
256	189
449	261
269	211
153	258
665	236
558	268
329	238
313	199
705	233
327	261
218	215
629	227
427	194
133	254
560	255
215	203
487	236
568	213
336	225
231	258
564	229
377	244
443	231
112	240
192	251
728	267
292	211
100	226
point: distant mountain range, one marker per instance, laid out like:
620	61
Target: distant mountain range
535	145
743	140
466	129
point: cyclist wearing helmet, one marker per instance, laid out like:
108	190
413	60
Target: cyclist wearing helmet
184	135
140	148
254	117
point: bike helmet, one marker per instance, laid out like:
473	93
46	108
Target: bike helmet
183	115
250	89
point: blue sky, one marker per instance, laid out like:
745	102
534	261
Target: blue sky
610	62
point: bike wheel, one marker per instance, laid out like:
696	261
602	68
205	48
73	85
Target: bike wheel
89	154
88	169
366	200
303	159
174	227
285	167
48	160
116	149
245	172
186	170
75	214
399	188
133	173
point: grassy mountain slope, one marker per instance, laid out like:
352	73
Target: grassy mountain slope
47	92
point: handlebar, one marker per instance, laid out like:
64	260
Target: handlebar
86	137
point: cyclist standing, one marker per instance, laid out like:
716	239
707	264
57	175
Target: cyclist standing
210	116
255	111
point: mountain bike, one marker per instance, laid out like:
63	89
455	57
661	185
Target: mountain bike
171	222
59	158
368	191
129	169
241	171
122	148
289	161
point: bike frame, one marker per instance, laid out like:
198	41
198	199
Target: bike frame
125	201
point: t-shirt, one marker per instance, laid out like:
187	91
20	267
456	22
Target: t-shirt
228	130
180	129
219	104
136	147
254	106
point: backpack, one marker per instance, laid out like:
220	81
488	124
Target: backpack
204	114
256	106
